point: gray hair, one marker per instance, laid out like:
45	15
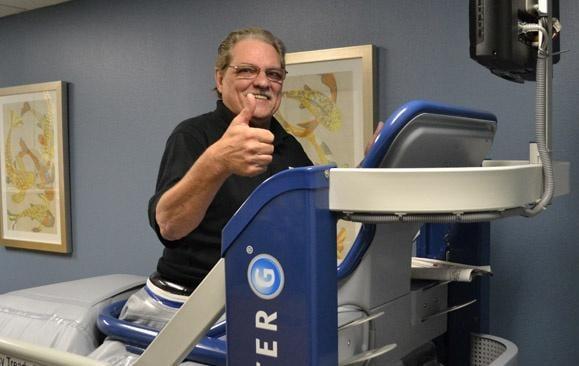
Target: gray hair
224	50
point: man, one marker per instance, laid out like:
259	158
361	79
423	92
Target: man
211	164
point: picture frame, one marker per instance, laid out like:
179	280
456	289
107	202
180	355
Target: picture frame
328	104
34	170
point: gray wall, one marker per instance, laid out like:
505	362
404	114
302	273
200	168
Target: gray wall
136	68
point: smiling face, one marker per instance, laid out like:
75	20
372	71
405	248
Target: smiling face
234	88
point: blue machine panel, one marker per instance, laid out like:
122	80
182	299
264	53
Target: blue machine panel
280	252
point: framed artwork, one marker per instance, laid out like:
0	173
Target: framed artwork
34	202
328	104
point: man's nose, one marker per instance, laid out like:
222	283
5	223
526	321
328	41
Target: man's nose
261	79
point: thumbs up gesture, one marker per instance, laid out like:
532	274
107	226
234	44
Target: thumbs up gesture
244	150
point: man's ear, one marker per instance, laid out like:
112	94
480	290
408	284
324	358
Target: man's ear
218	80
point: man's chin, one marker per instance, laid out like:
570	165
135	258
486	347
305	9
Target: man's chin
263	113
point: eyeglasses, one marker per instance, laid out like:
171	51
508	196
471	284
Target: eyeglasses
248	71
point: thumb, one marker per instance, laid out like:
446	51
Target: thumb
379	128
244	117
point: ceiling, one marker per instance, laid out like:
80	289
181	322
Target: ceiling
9	7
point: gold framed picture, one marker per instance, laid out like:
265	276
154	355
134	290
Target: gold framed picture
328	104
34	202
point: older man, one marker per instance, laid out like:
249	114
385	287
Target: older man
211	164
214	161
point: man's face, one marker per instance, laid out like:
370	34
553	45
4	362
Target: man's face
234	88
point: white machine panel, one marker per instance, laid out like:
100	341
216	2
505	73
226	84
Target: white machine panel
435	190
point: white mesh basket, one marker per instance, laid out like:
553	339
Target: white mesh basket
487	350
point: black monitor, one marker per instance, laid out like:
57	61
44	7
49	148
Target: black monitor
495	41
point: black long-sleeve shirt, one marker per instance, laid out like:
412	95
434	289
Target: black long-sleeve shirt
188	260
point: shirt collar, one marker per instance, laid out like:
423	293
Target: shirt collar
223	112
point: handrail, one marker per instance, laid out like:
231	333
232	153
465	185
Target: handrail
209	350
35	355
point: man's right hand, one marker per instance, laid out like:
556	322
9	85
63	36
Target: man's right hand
244	150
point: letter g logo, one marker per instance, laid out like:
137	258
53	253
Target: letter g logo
265	276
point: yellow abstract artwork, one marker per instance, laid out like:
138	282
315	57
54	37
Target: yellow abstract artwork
29	166
327	105
34	178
